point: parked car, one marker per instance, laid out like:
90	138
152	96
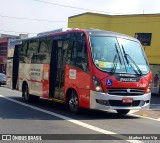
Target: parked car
2	79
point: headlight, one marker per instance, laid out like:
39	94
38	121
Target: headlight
97	84
149	87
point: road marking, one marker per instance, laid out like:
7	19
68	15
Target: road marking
133	113
144	117
88	126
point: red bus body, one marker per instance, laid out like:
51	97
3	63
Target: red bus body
120	91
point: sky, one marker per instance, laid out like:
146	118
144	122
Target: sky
35	16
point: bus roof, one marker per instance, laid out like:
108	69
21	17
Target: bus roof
97	32
90	32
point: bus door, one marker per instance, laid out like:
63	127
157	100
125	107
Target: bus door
15	67
56	85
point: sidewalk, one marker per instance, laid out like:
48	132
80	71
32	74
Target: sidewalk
149	113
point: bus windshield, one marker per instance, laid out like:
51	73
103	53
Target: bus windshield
111	54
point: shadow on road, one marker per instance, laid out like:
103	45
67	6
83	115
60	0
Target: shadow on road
11	110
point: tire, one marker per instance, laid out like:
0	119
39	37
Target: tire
27	97
25	93
123	111
73	102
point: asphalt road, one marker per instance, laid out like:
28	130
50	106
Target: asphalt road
47	117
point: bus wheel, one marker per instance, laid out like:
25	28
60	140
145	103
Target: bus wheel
27	97
123	111
25	93
73	103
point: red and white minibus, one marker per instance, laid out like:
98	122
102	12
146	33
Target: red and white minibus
85	68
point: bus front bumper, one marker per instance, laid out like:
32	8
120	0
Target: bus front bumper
104	101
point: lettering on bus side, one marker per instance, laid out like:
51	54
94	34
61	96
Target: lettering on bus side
35	72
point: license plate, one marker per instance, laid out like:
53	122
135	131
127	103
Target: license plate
127	100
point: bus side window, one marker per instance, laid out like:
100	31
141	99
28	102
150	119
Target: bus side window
72	53
65	52
32	51
23	52
69	59
44	53
77	54
82	56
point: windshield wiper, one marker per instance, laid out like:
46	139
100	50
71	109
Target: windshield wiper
118	54
115	60
127	58
114	64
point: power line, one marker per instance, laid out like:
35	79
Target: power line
81	22
75	7
44	20
25	18
90	23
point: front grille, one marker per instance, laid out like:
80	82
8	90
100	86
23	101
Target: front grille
125	91
119	103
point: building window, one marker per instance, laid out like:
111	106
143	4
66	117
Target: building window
3	49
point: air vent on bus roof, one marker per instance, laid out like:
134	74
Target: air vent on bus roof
56	31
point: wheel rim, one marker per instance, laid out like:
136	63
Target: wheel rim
73	103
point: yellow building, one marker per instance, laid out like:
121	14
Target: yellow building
143	24
127	24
